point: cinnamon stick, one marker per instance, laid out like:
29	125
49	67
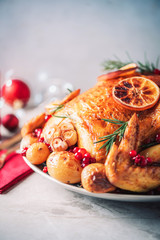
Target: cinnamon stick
11	141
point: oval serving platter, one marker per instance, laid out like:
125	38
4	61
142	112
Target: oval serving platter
107	196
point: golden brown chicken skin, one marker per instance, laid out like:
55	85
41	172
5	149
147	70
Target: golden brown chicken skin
87	110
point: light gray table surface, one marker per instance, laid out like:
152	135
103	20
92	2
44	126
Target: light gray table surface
40	209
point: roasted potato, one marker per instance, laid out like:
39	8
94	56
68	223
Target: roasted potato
94	179
64	167
37	153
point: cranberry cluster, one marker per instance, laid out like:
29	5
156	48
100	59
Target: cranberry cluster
37	133
24	150
82	155
140	160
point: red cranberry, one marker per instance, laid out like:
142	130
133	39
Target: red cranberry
158	138
156	71
143	161
70	150
49	147
84	165
82	151
45	170
86	160
93	160
47	117
87	155
133	153
149	160
137	159
41	139
10	121
76	149
38	132
78	156
23	152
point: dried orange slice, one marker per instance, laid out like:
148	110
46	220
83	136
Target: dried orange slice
125	71
136	93
129	66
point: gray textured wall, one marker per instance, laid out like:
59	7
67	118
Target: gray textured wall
70	39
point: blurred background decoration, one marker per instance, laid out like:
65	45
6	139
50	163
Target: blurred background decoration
69	39
54	45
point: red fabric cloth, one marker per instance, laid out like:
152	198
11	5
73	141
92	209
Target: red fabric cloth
14	170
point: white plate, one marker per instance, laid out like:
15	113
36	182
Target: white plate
108	196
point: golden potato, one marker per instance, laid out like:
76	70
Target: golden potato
94	179
37	153
28	140
64	167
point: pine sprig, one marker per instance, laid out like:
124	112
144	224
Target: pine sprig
111	138
114	64
146	67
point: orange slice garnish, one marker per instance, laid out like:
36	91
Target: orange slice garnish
136	93
127	70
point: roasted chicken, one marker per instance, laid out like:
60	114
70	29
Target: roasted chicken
79	121
86	111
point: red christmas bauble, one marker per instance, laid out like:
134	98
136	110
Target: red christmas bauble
10	121
16	93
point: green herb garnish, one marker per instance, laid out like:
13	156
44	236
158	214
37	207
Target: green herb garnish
63	116
69	90
57	108
111	138
59	116
146	67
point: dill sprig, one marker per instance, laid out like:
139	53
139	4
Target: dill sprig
146	67
111	138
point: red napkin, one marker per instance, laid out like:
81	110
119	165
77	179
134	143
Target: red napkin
14	170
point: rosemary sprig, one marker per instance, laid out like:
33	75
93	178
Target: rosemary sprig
57	108
111	138
63	116
69	90
59	116
146	67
